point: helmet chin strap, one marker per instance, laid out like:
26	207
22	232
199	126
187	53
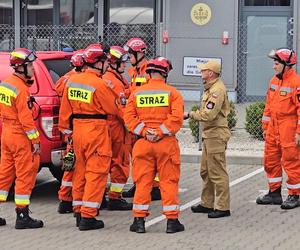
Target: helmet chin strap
25	73
136	59
118	63
280	75
100	69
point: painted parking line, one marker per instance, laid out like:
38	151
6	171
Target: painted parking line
45	182
195	201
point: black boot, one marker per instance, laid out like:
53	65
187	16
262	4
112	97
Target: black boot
291	202
271	198
174	226
219	213
138	225
24	221
129	193
65	207
155	194
78	218
200	209
90	224
119	204
2	221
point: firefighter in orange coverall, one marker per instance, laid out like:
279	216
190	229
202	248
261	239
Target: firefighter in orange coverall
88	100
120	167
154	112
136	49
20	143
65	191
281	127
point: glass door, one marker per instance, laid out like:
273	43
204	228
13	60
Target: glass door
262	28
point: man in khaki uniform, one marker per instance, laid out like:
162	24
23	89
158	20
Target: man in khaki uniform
215	197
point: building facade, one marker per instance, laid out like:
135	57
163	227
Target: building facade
239	33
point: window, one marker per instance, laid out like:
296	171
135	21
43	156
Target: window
40	12
57	68
66	12
6	12
131	11
77	11
267	2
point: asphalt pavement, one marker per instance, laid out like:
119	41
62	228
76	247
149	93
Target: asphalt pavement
250	226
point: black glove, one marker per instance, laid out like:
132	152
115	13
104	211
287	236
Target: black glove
68	161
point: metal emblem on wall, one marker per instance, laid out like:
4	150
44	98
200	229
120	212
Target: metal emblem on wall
200	14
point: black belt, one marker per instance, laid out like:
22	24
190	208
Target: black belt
89	116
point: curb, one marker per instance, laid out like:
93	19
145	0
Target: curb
231	158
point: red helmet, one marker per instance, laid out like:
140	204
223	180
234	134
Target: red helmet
159	64
94	53
135	45
117	54
21	56
285	56
76	59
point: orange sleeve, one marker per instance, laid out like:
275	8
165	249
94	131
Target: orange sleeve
25	117
65	113
107	99
131	119
267	112
60	85
174	120
297	102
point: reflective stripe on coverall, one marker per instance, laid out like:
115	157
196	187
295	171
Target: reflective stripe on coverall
18	134
86	93
65	191
281	121
158	106
215	133
120	167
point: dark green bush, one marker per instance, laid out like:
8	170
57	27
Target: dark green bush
253	119
231	118
194	125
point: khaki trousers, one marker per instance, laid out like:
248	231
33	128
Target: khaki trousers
215	191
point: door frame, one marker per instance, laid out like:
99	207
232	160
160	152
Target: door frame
244	12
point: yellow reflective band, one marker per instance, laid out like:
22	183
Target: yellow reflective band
152	100
78	94
18	55
139	79
5	95
116	189
22	201
3	197
115	53
156	178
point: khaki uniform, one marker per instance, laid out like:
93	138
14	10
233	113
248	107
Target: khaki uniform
213	116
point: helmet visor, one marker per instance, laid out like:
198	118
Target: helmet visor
125	58
272	54
31	57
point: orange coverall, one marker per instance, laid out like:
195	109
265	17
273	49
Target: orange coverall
120	166
158	106
18	134
87	95
65	191
281	121
139	77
